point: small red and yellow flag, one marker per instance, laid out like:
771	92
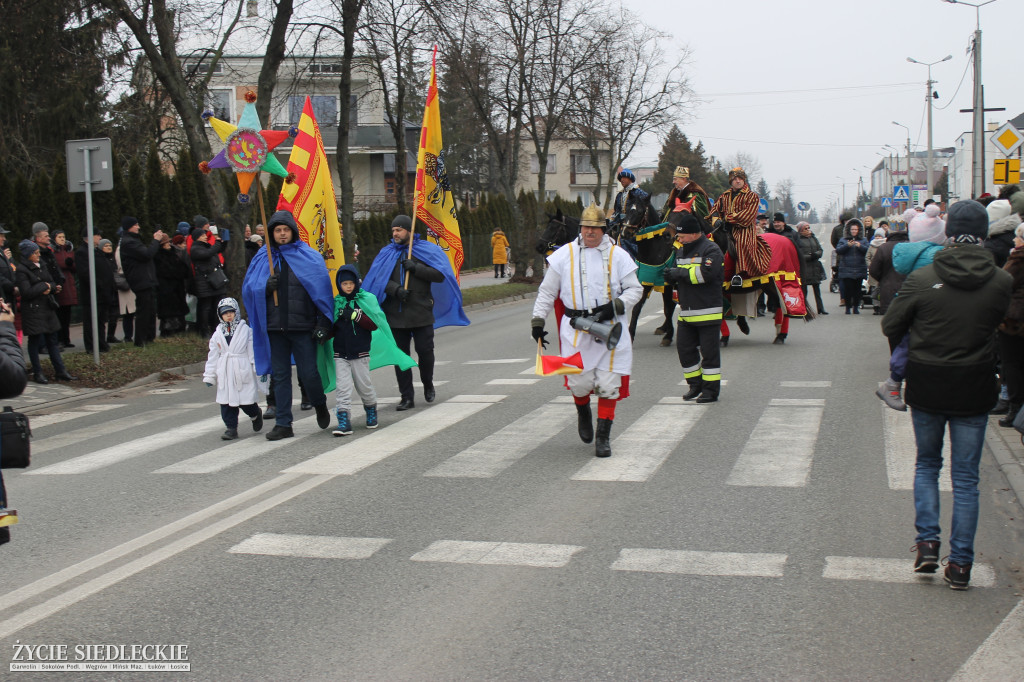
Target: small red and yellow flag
553	365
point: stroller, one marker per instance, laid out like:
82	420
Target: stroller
833	284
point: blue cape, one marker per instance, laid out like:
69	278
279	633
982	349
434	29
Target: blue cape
447	294
308	265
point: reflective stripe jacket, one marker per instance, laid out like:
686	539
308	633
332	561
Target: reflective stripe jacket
700	291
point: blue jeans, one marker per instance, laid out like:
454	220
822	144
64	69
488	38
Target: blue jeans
966	437
283	347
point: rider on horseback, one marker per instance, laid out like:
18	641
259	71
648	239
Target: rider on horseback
626	200
686	195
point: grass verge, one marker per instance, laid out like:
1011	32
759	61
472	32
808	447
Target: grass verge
494	292
126	363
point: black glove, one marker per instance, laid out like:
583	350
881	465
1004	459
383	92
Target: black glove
321	333
402	294
673	274
538	333
272	283
410	265
604	312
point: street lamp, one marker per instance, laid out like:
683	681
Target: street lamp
928	95
895	123
978	186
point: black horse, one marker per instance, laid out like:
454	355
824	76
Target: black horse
651	249
561	229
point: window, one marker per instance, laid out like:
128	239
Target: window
535	164
219	102
583	195
205	68
582	163
324	68
325	108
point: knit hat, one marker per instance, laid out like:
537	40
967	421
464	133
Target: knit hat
909	215
1017	203
687	224
27	248
347	273
780	217
199	221
997	210
105	242
184	228
256	239
966	222
39	227
880	234
402	221
178	239
928	226
128	223
198	234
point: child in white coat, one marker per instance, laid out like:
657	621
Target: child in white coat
231	366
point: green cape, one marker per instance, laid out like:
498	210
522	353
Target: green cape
383	349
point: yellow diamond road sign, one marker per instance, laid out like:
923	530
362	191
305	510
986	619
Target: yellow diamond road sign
1007	138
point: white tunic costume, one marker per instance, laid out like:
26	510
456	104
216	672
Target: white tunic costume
232	367
584	279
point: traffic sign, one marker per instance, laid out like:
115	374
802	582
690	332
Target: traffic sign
1007	172
803	206
886	202
901	193
762	206
1007	138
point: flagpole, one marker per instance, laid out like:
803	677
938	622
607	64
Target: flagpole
417	192
266	229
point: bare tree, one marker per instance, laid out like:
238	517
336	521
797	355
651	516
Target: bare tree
391	30
631	90
749	163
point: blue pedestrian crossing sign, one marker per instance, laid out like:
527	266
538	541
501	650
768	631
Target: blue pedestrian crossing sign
886	202
901	193
762	206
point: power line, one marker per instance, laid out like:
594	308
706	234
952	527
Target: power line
775	92
796	144
964	76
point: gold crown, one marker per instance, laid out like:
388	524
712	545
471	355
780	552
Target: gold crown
681	172
592	217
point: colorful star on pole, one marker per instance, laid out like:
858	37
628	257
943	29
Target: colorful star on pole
247	147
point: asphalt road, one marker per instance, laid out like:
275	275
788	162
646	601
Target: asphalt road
762	537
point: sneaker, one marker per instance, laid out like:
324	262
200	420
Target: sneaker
957	575
230	434
889	393
371	416
344	425
927	556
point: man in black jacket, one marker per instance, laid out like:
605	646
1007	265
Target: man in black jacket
140	271
951	309
104	290
410	313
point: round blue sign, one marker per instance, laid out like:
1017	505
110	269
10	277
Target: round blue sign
803	206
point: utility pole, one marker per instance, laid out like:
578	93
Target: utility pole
929	96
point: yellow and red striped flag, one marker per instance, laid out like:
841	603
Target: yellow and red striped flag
551	365
435	203
311	197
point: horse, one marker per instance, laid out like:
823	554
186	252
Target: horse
651	243
561	229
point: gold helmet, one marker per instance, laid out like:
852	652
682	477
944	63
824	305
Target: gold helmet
593	217
681	172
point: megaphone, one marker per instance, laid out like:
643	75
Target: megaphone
609	333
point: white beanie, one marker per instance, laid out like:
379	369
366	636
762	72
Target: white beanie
927	226
998	209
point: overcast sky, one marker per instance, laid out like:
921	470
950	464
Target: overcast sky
811	87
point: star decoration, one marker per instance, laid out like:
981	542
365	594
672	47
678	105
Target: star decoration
247	147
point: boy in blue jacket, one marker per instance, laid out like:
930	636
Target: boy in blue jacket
353	327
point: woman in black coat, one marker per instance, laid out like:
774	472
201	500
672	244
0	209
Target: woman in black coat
205	260
812	272
172	274
38	312
853	267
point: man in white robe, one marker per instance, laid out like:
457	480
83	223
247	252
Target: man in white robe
594	278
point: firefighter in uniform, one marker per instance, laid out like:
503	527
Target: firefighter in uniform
594	278
697	272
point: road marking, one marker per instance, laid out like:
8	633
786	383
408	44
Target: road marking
648	318
78	436
498	361
700	563
116	575
33	589
119	453
901	451
368	450
724	382
309	546
38	422
678	400
495	453
1001	655
532	369
498	553
796	402
419	384
564	400
228	456
512	382
644	446
895	571
167	391
805	384
780	449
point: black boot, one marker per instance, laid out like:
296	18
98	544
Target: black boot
1011	413
779	339
694	391
604	431
741	322
585	420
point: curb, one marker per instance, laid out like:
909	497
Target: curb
1011	466
507	299
185	370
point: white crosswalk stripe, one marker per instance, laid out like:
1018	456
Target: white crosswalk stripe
78	436
495	453
644	445
647	318
780	449
498	553
512	382
700	563
895	571
368	450
42	420
496	361
901	451
309	546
